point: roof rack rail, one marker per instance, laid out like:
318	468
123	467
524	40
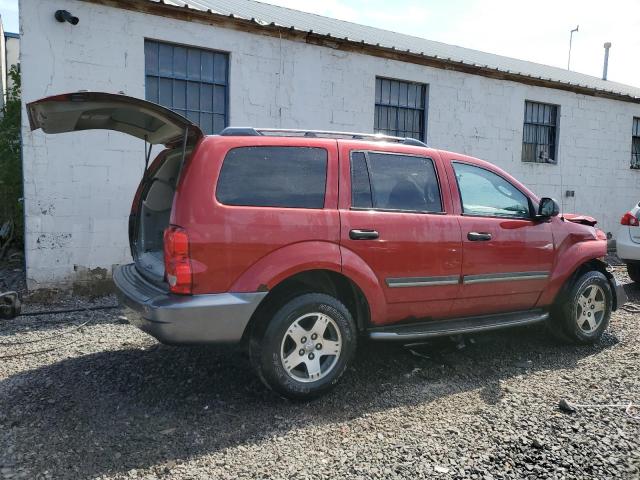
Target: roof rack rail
286	132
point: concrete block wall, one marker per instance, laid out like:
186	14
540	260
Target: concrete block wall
79	186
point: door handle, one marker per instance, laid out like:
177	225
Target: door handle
363	234
479	236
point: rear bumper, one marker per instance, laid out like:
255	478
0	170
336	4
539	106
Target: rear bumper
626	249
184	319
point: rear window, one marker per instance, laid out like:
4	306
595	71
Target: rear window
290	177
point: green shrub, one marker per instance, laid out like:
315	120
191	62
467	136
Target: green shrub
11	205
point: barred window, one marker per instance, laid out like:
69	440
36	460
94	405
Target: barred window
400	108
539	142
635	144
190	81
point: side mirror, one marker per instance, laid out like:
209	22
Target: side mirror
548	208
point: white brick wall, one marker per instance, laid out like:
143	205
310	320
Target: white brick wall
79	186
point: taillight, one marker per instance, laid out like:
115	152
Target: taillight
629	219
177	264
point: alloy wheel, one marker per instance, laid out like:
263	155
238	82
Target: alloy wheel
591	308
311	347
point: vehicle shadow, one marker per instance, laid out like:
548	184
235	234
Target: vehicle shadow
45	322
113	411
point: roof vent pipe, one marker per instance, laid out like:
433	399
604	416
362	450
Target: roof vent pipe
607	46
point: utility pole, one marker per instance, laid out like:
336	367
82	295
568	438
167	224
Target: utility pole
570	41
607	46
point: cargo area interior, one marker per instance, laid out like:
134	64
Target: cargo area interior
154	215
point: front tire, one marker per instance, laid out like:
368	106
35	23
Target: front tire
304	349
633	269
583	314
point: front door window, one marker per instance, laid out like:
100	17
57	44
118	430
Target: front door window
483	193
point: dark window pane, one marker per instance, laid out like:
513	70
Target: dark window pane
486	194
421	96
180	62
381	118
151	89
401	182
219	123
193	64
166	60
412	94
378	90
206	97
360	186
166	92
206	123
220	68
193	116
402	95
402	119
528	133
179	94
386	88
207	66
151	58
392	118
393	96
418	120
219	93
193	96
274	176
411	126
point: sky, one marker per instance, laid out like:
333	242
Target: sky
534	30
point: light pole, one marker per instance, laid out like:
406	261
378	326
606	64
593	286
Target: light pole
570	40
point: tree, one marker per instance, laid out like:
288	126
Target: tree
10	157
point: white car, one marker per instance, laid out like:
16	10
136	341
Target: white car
628	242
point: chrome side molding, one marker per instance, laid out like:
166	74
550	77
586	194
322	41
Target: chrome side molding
403	282
504	277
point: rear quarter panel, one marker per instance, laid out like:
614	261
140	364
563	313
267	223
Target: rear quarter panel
246	248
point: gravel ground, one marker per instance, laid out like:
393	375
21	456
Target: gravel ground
106	401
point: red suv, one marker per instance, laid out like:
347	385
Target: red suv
300	242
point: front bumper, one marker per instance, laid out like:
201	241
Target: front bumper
184	319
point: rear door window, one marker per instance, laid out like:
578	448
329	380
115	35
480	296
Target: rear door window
485	193
290	177
394	182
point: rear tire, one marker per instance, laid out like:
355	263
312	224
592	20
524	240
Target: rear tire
633	269
583	314
304	348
